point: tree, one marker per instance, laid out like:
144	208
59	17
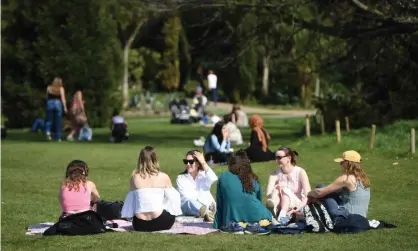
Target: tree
170	74
75	40
130	16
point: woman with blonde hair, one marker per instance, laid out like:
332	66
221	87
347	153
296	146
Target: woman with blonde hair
152	201
349	193
77	193
258	150
55	105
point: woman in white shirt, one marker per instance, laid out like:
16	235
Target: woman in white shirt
194	187
152	201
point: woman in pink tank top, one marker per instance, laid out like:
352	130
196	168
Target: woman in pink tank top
77	114
288	186
77	193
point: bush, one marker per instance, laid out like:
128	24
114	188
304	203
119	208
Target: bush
21	104
338	106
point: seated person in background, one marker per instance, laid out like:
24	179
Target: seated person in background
38	124
258	150
119	128
77	193
238	116
210	119
288	186
194	187
199	100
349	193
217	145
152	202
238	194
234	133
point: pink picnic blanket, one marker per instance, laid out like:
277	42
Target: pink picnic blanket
183	225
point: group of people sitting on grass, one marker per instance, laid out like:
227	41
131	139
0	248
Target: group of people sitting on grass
217	146
153	202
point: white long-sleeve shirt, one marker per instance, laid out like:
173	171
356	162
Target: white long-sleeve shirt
196	189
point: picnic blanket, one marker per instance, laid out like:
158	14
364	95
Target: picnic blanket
183	225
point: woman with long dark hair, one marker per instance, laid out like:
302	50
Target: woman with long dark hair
217	144
238	194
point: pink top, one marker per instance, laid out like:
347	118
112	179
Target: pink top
75	104
75	200
290	181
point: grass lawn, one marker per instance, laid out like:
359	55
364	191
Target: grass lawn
33	168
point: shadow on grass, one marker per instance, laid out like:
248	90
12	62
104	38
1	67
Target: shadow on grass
168	137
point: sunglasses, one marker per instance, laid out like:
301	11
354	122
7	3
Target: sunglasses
188	161
280	157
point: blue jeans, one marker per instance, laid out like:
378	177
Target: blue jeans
54	116
214	95
332	203
191	207
38	124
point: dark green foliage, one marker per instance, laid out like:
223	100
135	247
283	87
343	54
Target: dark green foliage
75	40
170	74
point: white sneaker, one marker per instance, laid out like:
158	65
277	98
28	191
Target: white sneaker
48	136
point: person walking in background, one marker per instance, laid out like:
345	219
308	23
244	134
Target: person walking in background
55	105
212	84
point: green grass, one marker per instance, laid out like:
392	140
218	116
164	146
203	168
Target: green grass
32	170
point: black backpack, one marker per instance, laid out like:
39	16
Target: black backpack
85	223
109	210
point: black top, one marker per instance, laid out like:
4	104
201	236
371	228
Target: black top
52	96
255	150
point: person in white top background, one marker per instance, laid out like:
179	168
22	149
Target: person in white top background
194	187
213	85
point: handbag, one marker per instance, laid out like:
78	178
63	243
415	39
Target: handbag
109	210
85	223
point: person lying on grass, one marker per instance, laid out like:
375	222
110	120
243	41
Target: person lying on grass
349	193
77	193
194	187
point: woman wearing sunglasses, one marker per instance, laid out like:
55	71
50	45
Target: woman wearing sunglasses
288	186
194	187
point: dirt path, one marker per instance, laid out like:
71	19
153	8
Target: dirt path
267	112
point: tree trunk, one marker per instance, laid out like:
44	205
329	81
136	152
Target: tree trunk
126	48
317	86
266	69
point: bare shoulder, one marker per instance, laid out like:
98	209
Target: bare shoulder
164	176
301	170
91	184
165	179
